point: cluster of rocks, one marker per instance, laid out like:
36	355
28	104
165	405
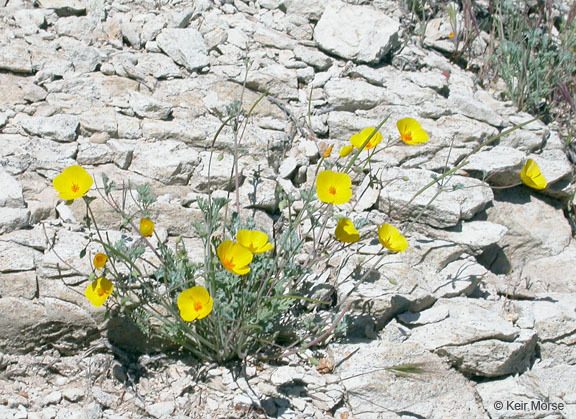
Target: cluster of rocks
484	297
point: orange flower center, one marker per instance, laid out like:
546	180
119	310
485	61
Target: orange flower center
407	137
75	187
100	292
197	306
228	263
332	190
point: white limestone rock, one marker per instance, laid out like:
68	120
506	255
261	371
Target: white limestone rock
36	330
14	56
371	385
158	66
13	219
499	165
11	191
474	236
185	46
350	95
146	106
64	7
60	128
170	162
356	32
469	106
15	257
462	199
474	337
26	18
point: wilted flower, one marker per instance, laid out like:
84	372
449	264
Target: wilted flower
100	260
532	176
346	150
411	131
146	227
194	303
333	188
234	257
328	151
358	139
391	238
98	291
254	240
72	183
346	232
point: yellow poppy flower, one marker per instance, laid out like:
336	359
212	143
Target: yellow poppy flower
333	188
194	303
532	176
346	150
358	139
98	291
146	227
234	257
346	232
254	240
72	183
391	238
100	260
411	131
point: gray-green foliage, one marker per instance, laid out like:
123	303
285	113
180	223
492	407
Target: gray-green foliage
532	57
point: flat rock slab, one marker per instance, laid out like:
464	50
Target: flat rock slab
59	128
544	391
185	46
356	32
461	199
44	323
473	336
375	392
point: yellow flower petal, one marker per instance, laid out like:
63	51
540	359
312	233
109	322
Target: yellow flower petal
346	150
100	260
346	232
254	240
391	238
411	131
234	257
328	151
194	303
333	188
146	227
532	176
72	183
358	139
98	291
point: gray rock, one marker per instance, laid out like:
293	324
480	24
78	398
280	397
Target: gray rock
528	394
185	46
13	219
96	9
523	140
472	108
288	167
174	130
313	57
356	32
81	28
279	81
60	128
374	390
498	166
461	129
84	59
64	7
18	284
146	106
158	66
131	32
311	9
462	198
553	318
161	409
49	323
168	161
553	273
474	338
350	95
29	18
536	228
474	236
272	38
15	57
11	191
15	258
32	92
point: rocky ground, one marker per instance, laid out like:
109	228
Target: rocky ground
484	298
